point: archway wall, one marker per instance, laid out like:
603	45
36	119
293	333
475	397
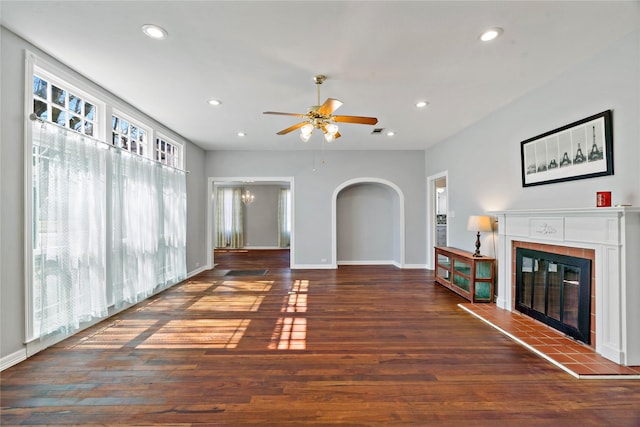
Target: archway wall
313	192
369	222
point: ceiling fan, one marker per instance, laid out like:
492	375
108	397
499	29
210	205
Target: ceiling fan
321	117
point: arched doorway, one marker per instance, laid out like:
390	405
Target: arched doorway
394	220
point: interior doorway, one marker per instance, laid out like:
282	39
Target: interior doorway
257	240
437	214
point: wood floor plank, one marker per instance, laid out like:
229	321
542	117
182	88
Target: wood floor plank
362	346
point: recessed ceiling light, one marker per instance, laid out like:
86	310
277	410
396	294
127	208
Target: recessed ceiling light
490	34
241	134
391	133
421	104
214	102
154	31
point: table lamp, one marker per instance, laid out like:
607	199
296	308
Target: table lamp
478	224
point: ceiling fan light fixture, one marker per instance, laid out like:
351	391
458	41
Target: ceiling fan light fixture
305	137
332	129
491	34
307	129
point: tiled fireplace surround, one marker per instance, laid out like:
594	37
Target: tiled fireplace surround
610	237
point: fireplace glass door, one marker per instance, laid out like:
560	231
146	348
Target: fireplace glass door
555	289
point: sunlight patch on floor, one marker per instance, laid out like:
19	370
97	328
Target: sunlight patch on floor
199	333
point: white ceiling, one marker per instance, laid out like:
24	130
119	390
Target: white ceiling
380	58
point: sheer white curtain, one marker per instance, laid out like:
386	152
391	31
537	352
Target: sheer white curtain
173	243
229	218
148	211
69	231
284	218
81	189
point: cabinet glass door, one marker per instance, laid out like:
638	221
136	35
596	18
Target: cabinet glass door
461	268
484	269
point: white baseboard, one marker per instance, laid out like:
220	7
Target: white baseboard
313	267
197	271
415	266
384	262
13	359
262	247
368	262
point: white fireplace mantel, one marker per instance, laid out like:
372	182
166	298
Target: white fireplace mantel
614	235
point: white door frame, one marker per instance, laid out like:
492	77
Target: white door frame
212	181
431	214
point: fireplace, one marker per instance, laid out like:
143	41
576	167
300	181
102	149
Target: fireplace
556	290
608	238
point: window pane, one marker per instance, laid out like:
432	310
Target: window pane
134	147
88	128
114	140
75	123
39	87
58	116
124	126
89	110
75	104
40	109
58	95
124	142
133	132
143	135
114	123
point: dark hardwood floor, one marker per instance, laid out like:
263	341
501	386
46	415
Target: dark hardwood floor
356	346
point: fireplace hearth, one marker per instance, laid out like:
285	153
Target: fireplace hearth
555	289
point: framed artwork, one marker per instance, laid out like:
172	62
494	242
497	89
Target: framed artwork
579	150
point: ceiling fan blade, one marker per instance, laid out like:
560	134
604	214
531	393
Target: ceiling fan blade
285	114
336	136
292	128
329	106
356	119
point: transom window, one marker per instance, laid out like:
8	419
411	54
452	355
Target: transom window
128	136
55	103
168	153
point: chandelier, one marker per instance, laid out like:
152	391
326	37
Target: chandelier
247	198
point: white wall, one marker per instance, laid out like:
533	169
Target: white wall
12	156
366	224
313	191
261	217
483	161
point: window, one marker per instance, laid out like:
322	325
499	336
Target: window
129	136
168	153
284	217
56	103
92	209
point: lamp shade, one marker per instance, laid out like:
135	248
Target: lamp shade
479	223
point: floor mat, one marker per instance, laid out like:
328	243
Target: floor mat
246	273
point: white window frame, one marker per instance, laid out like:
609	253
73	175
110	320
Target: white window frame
178	157
106	106
35	65
133	120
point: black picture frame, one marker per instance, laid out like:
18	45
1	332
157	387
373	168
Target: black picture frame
557	156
